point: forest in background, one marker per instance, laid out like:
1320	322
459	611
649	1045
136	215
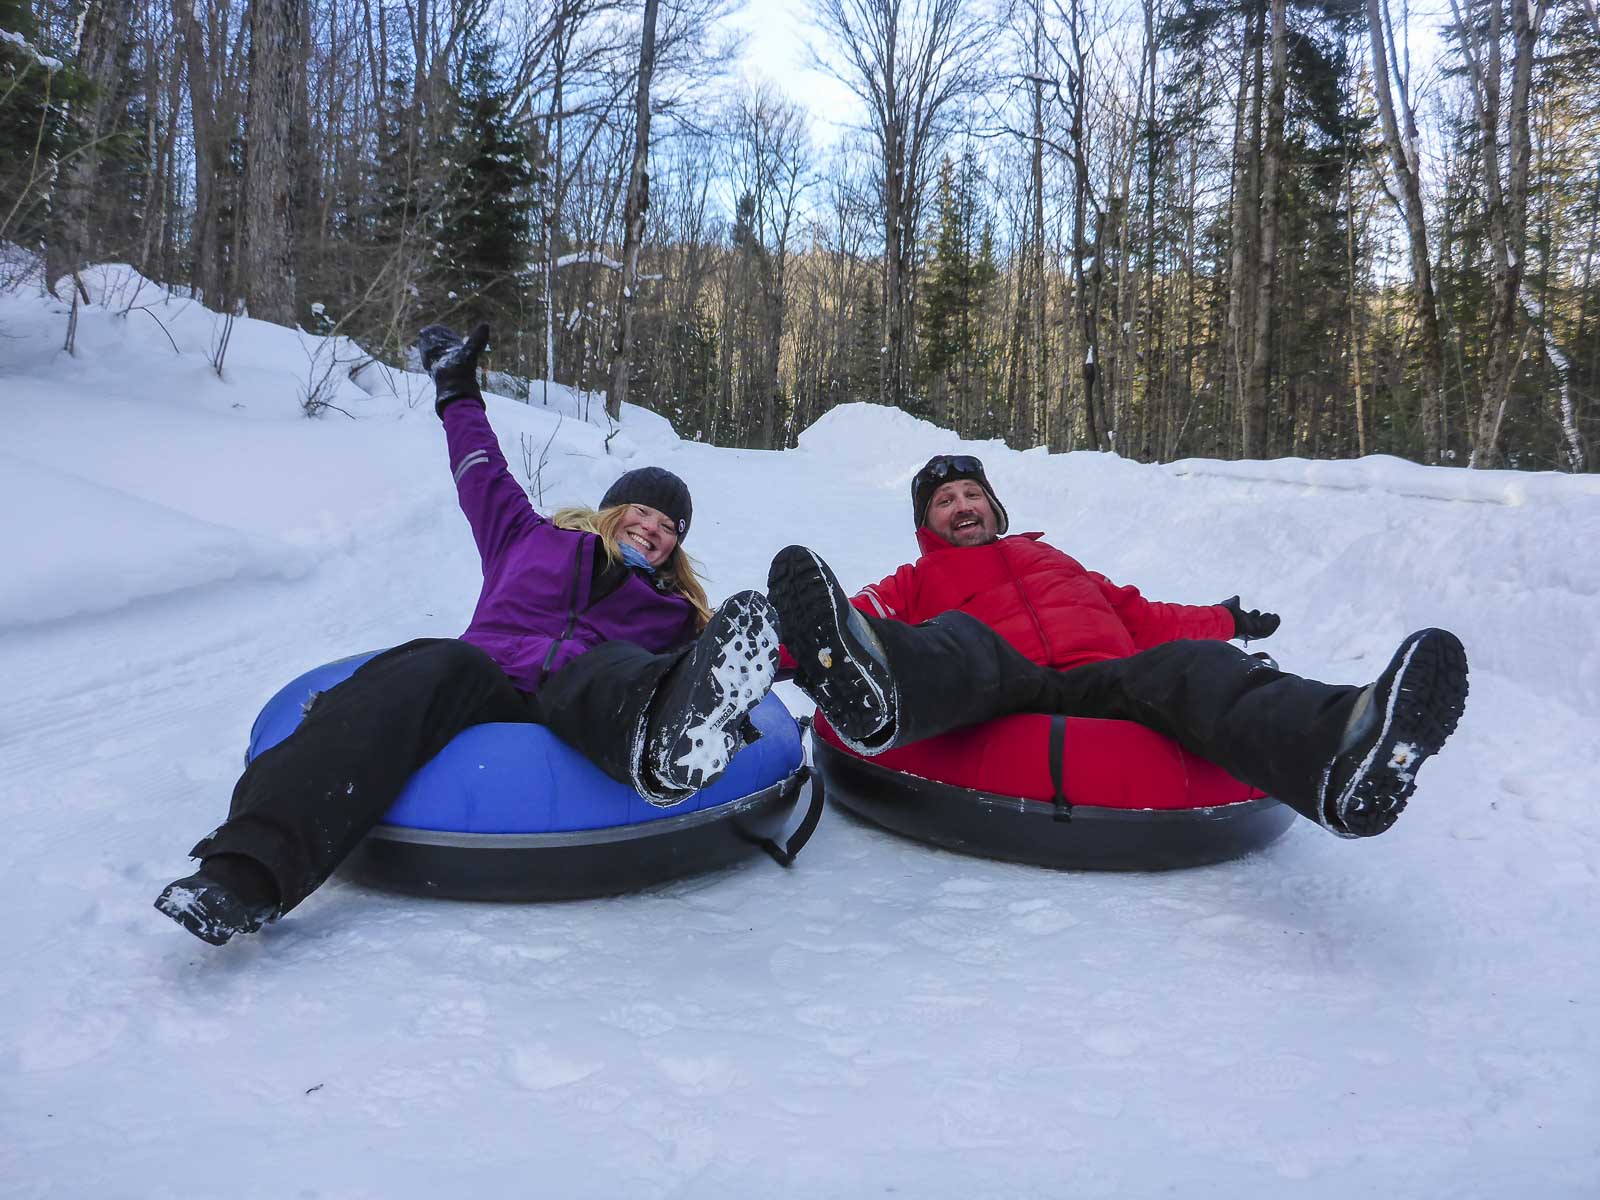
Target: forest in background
1164	228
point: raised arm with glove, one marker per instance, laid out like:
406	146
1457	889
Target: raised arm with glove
452	363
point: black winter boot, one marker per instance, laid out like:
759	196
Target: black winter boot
1397	724
228	895
700	715
839	661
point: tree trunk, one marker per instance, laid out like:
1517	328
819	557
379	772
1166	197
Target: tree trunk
205	237
1154	400
633	217
1355	306
1403	159
1041	348
1242	246
1255	406
891	377
92	119
771	385
554	143
1084	306
1508	212
276	95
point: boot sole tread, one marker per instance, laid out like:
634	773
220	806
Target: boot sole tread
843	688
1426	700
727	684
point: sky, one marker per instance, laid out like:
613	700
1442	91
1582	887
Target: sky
780	36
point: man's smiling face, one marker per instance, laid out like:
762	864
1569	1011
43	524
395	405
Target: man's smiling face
961	514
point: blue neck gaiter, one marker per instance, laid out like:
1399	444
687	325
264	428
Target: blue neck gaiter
634	557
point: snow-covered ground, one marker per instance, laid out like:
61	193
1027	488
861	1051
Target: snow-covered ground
1414	1016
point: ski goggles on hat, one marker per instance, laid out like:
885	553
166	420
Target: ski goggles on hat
945	466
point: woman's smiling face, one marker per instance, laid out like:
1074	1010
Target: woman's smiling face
649	531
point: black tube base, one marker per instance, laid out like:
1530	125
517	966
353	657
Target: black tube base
569	866
1026	831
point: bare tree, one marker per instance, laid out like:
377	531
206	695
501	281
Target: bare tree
1255	402
908	61
633	217
1505	185
1244	234
100	29
275	109
1400	139
1041	345
768	159
1085	277
213	45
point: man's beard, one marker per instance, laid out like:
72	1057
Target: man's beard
980	534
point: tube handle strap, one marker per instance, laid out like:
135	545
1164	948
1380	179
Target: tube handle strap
1058	746
785	854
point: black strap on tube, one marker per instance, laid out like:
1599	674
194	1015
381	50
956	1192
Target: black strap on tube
785	855
1058	745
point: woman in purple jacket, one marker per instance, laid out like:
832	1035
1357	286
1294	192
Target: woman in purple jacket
592	624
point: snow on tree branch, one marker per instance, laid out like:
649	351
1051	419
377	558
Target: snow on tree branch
21	43
588	256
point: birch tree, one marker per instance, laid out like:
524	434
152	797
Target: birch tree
1501	120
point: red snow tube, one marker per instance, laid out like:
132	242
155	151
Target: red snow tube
1130	799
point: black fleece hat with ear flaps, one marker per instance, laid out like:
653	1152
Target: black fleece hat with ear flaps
657	488
942	469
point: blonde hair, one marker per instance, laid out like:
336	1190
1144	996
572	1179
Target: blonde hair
677	571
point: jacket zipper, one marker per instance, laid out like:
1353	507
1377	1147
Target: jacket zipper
572	614
1033	613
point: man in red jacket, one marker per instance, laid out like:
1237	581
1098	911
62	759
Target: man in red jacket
983	625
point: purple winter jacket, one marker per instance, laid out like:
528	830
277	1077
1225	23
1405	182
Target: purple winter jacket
535	613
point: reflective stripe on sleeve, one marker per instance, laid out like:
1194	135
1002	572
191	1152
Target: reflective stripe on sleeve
471	460
872	597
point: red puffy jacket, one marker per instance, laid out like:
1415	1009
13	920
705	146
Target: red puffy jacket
1040	600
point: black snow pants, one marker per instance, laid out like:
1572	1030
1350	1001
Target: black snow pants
301	807
1265	727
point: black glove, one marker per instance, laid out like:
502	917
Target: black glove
1251	624
452	363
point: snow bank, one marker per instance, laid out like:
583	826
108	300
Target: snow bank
90	549
876	433
1401	478
127	471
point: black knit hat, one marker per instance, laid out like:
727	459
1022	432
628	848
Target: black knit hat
940	470
657	488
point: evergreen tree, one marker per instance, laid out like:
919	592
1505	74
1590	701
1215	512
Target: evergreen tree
863	355
487	239
955	291
34	93
676	367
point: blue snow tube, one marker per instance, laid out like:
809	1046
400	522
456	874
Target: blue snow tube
511	812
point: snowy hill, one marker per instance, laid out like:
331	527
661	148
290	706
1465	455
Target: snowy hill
1418	1016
